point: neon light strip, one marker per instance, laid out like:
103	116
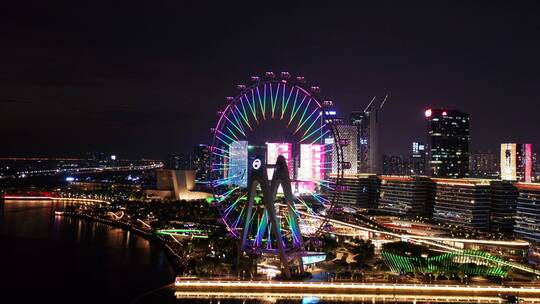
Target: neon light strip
296	111
307	119
303	114
283	103
252	105
261	102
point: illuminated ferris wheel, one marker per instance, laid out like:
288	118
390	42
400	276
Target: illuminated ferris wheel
276	153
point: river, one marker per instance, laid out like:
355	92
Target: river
47	257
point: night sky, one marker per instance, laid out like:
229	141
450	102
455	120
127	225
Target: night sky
145	78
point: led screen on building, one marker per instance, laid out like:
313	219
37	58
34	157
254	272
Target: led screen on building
508	162
238	162
311	162
273	150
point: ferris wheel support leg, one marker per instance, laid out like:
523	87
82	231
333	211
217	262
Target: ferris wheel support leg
245	232
277	234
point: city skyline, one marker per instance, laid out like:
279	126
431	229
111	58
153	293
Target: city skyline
131	81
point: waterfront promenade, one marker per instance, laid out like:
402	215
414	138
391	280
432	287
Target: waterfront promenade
351	289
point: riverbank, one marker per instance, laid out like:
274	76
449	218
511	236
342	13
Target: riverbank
172	257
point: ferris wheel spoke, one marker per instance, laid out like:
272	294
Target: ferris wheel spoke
224	181
304	137
220	155
262	101
238	127
320	136
233	205
307	119
244	114
261	228
303	114
252	105
283	103
233	134
223	141
238	218
274	99
238	120
296	109
225	134
313	123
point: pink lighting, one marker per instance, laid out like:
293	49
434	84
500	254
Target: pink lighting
528	163
428	113
444	113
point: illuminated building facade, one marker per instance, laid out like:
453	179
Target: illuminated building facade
350	151
484	164
404	195
273	150
527	224
418	159
311	167
355	189
516	162
238	158
201	162
449	134
176	185
463	202
360	120
503	206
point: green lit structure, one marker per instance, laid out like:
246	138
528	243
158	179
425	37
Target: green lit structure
402	257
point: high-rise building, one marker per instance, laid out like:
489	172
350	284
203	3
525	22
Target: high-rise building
527	224
449	134
348	134
179	161
463	202
361	121
201	162
367	124
484	164
503	206
418	159
404	195
396	165
516	162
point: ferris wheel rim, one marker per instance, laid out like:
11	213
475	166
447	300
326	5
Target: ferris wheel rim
331	126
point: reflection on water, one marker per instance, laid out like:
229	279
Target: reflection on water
60	258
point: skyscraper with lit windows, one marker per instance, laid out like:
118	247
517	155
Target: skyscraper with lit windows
517	162
449	142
